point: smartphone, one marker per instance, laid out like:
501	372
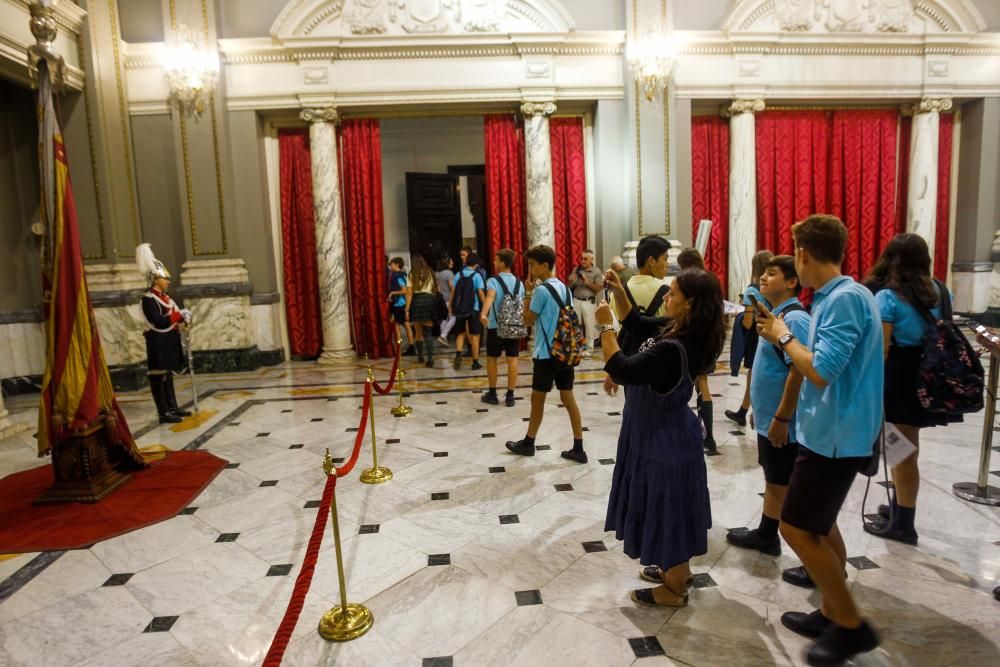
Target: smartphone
607	297
758	307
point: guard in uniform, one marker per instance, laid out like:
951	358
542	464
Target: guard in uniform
164	354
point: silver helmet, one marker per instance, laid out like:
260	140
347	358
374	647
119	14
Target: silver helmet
148	265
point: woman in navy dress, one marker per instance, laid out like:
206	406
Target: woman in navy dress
659	503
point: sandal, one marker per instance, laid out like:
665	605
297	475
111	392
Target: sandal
644	596
651	573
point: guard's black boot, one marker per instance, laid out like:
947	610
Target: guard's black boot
158	391
168	384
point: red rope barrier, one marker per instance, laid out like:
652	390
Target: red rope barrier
303	582
392	377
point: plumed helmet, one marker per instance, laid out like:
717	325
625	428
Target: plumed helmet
148	265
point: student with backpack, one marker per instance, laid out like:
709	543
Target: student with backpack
399	292
559	343
503	315
463	304
774	395
910	302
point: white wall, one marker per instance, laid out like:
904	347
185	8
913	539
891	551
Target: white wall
427	145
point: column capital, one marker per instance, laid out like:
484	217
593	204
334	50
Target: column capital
538	108
319	115
928	105
737	107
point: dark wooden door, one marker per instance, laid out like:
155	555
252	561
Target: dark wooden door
433	215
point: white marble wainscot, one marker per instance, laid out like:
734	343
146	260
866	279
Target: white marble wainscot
921	200
971	283
115	292
220	313
22	349
331	264
742	192
265	320
538	172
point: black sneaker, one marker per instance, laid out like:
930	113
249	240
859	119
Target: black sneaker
808	625
996	593
476	365
509	399
883	528
490	397
429	364
710	447
410	351
751	539
737	416
521	448
573	455
837	645
458	361
885	511
798	576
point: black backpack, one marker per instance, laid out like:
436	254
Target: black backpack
950	380
629	343
464	302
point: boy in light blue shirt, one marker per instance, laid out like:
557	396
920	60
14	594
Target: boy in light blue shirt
497	288
542	313
838	419
774	393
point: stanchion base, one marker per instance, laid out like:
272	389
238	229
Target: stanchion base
401	411
971	491
338	626
376	475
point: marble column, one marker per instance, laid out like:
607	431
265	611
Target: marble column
538	171
742	192
921	200
331	263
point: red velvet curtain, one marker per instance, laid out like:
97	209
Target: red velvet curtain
505	183
298	245
841	162
863	183
569	192
361	178
710	189
793	160
943	233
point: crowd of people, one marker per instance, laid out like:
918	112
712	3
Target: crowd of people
822	382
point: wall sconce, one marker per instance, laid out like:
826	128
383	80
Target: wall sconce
651	59
191	69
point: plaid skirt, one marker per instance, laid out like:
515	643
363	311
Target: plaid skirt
422	307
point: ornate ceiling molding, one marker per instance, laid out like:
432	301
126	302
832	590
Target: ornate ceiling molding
317	19
886	17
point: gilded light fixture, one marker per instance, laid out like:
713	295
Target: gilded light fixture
191	69
651	59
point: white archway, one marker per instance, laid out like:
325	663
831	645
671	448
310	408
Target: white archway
316	19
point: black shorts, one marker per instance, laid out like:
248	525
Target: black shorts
475	326
777	462
399	314
817	490
495	345
545	372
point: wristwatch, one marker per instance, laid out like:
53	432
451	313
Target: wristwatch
602	328
785	340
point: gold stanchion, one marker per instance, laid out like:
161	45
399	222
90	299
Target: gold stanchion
401	410
376	474
348	620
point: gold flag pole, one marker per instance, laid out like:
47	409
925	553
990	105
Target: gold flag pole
349	620
376	474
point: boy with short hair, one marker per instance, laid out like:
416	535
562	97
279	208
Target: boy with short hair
839	417
774	394
465	308
399	284
542	313
497	288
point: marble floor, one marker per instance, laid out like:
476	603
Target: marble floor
469	556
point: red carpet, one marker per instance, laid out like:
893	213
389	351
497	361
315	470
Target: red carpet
152	495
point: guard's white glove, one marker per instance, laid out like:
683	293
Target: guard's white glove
186	314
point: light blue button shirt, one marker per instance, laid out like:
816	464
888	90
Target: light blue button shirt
767	384
843	419
908	325
546	311
494	284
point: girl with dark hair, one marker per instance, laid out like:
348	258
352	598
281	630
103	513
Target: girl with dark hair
659	503
906	294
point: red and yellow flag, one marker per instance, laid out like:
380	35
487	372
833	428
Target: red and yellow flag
76	387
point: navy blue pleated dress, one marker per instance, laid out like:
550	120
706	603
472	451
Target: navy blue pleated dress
659	504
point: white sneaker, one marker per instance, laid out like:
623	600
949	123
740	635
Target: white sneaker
443	341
